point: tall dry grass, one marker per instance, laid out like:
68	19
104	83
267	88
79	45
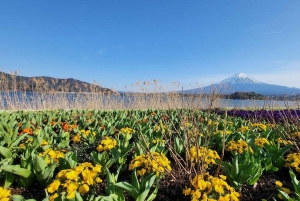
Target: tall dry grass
141	95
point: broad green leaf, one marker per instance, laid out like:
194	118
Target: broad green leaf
144	194
281	152
16	169
111	197
78	196
39	164
295	182
9	179
110	181
153	194
18	140
129	189
5	152
46	175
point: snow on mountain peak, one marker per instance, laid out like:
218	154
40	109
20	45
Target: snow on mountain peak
241	75
239	78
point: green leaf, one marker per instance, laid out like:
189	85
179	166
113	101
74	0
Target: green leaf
5	152
110	182
148	185
285	196
39	164
135	180
295	181
111	197
46	175
153	194
16	169
120	194
9	179
78	196
71	159
18	140
26	182
129	189
17	198
281	152
235	166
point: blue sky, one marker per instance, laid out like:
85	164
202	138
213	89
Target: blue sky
116	43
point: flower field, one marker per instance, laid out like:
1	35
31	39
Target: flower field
175	154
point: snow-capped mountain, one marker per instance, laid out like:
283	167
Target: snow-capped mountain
241	82
239	78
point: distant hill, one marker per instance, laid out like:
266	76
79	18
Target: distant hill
12	82
245	96
243	83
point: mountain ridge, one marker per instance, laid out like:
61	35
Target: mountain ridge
14	82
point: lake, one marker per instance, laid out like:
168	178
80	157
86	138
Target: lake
43	101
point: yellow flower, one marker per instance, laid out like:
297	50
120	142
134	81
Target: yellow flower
226	198
53	186
285	142
72	187
72	175
259	126
286	190
97	168
186	191
158	141
199	183
243	129
76	138
293	160
295	135
62	173
98	180
196	194
278	183
55	155
4	194
84	189
88	176
106	144
78	179
261	141
208	156
44	142
141	172
127	130
29	140
52	197
87	133
211	188
71	195
235	196
240	146
219	189
151	162
223	177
